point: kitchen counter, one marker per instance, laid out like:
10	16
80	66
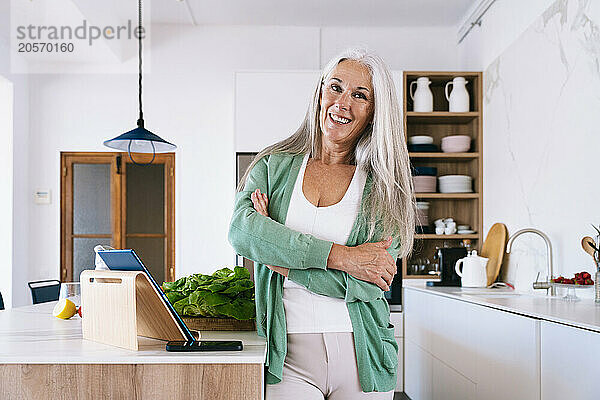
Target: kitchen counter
31	339
582	314
32	335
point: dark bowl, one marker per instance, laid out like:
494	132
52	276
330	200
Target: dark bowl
424	171
423	148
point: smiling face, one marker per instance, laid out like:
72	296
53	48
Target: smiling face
347	103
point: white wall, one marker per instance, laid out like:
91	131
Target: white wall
421	48
17	191
6	183
501	25
541	135
188	100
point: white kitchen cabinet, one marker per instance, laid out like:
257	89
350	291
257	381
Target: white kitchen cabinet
417	319
453	334
400	376
418	372
448	384
269	106
566	356
397	319
437	338
471	351
506	347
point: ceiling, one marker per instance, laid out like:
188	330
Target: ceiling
324	13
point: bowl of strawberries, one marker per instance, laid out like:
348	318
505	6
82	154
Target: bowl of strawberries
581	280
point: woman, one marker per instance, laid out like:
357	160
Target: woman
324	214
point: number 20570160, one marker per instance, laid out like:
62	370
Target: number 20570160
45	47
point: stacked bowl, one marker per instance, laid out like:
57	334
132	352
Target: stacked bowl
424	179
456	144
455	184
420	139
421	144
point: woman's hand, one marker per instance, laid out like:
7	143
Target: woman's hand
368	262
261	204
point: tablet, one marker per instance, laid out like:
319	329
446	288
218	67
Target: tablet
127	260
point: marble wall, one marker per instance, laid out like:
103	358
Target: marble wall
542	139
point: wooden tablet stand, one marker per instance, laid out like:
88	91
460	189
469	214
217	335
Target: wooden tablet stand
119	306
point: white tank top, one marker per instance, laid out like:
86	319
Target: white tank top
307	312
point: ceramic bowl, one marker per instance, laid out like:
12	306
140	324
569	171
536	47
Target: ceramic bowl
418	171
423	148
424	183
455	184
456	144
420	139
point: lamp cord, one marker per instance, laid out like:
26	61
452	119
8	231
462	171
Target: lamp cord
141	119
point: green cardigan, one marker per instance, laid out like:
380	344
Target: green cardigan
267	241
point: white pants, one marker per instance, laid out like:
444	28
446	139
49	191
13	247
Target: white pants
321	366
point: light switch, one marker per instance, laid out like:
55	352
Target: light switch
41	196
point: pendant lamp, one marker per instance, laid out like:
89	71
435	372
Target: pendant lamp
140	139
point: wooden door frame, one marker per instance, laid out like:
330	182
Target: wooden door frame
118	162
67	159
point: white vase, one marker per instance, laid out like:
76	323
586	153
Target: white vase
422	97
459	97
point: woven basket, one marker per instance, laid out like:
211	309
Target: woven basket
219	324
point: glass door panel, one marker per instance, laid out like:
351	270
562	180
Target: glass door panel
145	198
91	221
83	254
145	215
151	251
91	199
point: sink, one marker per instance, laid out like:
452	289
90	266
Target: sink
491	293
495	295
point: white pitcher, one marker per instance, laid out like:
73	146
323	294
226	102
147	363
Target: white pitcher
474	270
459	98
422	97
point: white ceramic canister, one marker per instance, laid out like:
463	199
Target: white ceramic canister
459	97
422	97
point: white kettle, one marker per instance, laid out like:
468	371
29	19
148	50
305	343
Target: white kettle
422	97
474	270
458	99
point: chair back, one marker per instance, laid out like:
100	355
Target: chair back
44	291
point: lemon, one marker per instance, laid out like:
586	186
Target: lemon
64	309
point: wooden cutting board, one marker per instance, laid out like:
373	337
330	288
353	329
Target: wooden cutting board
494	248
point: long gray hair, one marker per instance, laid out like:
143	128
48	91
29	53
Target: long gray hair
380	151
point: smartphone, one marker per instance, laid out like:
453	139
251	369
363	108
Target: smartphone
205	345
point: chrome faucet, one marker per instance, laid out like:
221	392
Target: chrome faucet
537	285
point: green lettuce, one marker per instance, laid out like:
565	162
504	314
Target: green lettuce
225	294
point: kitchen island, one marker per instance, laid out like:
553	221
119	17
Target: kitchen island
581	314
43	357
463	343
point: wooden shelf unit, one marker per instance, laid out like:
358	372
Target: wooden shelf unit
445	156
447	237
456	196
438	117
465	208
